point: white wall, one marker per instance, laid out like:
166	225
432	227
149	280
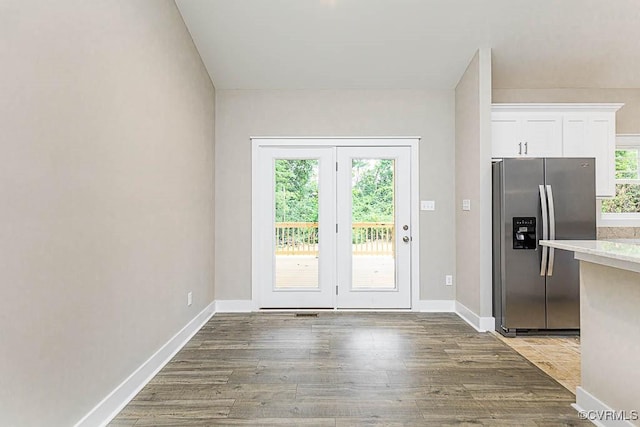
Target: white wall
242	114
106	195
473	182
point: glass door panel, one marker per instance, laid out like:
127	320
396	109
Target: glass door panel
296	224
372	224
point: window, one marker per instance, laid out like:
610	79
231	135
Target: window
624	208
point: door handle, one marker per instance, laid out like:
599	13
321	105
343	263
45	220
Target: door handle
545	229
406	239
552	229
520	148
526	148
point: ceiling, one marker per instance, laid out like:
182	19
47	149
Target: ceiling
415	44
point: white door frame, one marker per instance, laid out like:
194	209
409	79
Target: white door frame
412	142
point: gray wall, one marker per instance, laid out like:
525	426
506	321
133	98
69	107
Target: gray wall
627	118
106	188
242	114
473	182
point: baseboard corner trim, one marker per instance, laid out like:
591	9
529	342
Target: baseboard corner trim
234	306
436	306
107	409
593	408
487	324
480	324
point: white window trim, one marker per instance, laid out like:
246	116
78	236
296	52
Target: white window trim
620	219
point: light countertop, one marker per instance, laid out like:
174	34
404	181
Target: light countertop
595	250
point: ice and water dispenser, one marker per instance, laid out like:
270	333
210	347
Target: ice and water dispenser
524	233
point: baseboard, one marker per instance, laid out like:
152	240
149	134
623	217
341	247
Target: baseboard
596	411
111	405
234	306
436	306
480	324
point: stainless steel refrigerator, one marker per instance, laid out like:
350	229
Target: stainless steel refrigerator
536	288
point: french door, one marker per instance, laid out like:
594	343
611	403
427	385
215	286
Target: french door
333	227
373	240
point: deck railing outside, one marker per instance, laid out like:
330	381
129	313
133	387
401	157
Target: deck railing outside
301	238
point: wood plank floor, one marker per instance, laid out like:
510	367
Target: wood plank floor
347	369
558	356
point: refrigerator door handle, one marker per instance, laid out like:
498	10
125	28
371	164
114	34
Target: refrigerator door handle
545	229
552	229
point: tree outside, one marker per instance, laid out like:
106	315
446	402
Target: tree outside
372	190
296	191
296	198
296	201
627	197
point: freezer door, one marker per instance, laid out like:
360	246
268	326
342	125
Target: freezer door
572	182
523	287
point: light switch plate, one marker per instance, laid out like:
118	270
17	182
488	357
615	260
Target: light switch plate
466	204
428	205
448	280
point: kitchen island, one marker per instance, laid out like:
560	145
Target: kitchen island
609	328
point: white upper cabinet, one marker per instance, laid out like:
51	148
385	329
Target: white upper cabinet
542	136
593	135
506	135
516	135
559	130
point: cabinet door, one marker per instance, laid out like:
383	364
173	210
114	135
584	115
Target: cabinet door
592	135
601	136
506	132
542	136
574	136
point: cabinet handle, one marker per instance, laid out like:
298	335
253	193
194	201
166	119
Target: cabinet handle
526	148
520	149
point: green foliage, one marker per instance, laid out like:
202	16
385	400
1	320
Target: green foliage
372	190
626	164
296	190
627	197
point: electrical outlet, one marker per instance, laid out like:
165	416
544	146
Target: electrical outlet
448	280
189	298
466	204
